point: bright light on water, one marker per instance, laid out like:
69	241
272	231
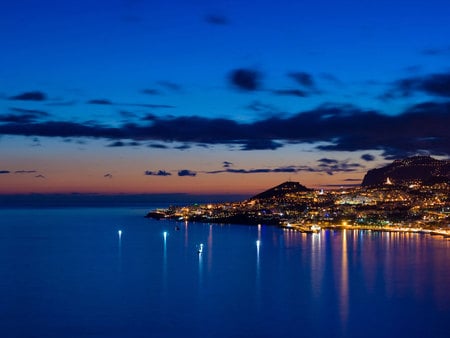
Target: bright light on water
165	234
120	233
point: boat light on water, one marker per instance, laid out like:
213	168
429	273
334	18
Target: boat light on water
200	248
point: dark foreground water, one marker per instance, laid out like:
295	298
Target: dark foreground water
68	273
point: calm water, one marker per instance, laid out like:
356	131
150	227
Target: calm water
68	273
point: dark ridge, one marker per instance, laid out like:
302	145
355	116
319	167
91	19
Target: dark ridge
417	169
281	190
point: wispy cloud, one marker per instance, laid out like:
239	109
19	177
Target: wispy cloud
157	173
29	96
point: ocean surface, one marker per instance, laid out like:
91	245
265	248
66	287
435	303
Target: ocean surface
87	272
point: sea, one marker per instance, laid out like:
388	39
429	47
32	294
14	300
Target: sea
110	272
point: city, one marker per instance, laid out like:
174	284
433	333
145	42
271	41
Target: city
409	205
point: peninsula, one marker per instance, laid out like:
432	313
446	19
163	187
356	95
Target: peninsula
415	198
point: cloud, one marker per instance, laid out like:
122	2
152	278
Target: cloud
343	166
226	164
24	116
186	172
158	146
29	96
434	84
172	86
29	111
215	19
2	172
39	176
422	127
62	103
123	144
304	79
368	157
290	92
106	102
25	172
246	79
332	166
151	91
157	173
100	102
261	144
183	147
328	161
108	175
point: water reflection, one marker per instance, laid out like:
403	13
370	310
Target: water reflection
316	261
164	281
210	244
344	280
200	267
119	246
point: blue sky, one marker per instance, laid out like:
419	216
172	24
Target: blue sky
95	94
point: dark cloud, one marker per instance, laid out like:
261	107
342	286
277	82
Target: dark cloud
4	172
39	176
290	92
62	129
146	105
148	117
18	118
186	172
337	128
352	180
24	116
246	79
100	102
216	19
108	175
29	96
368	157
263	108
106	102
261	145
62	103
434	84
332	166
172	86
25	172
29	111
123	144
226	164
343	166
157	173
327	161
158	146
304	79
151	91
183	147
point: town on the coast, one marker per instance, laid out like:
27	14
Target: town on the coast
412	194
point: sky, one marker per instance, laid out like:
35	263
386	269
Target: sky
217	97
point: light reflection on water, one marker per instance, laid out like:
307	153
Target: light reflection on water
258	281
